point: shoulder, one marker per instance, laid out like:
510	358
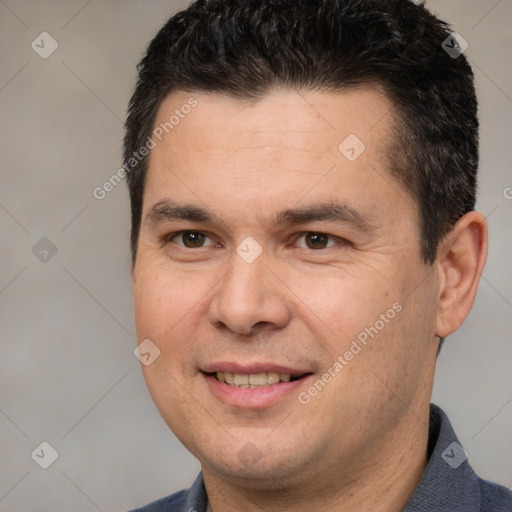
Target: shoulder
495	498
173	503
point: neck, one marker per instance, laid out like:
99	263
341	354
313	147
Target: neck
381	480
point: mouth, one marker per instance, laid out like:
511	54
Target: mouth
255	380
253	385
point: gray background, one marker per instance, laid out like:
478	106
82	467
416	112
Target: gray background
67	371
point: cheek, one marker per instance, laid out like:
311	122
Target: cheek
165	311
342	304
158	307
170	305
162	298
367	323
153	298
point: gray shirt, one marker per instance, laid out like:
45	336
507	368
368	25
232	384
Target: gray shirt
447	485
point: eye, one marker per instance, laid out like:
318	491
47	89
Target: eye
189	239
315	241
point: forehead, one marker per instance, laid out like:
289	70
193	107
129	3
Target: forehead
276	149
302	121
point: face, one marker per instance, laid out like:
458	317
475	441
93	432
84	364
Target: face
277	253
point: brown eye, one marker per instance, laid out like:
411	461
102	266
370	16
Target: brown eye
316	240
192	239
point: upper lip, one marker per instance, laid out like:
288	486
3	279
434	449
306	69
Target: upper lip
251	369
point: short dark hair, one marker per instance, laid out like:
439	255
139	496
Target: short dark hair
247	48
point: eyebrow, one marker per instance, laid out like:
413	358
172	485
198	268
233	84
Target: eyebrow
168	211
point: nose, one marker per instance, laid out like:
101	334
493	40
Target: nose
248	300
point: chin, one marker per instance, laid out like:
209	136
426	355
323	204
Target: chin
255	462
270	474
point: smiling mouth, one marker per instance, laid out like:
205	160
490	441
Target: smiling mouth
255	380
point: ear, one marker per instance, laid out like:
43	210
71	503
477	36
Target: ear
461	258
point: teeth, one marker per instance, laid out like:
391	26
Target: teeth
256	380
241	380
273	378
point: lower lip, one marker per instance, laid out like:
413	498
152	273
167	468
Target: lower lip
252	398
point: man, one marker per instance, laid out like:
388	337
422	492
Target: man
302	178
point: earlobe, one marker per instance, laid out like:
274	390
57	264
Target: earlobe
461	259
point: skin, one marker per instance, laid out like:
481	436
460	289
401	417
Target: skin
360	443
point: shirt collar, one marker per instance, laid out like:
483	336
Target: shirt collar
448	483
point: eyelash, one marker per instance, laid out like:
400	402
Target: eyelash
340	241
